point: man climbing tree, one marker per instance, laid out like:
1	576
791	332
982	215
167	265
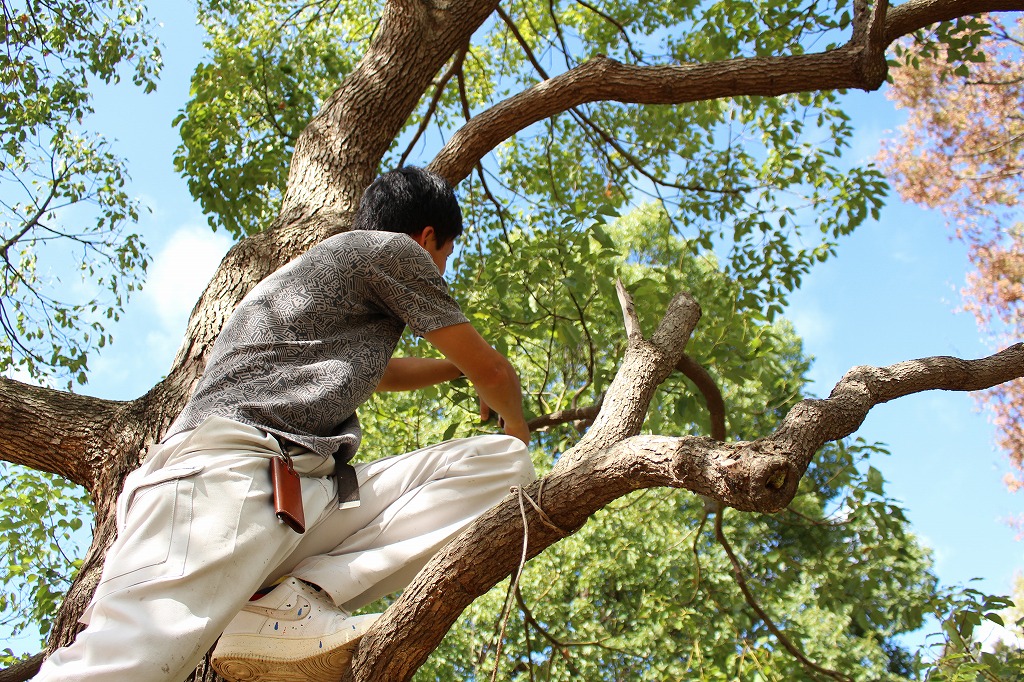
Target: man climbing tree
677	126
271	427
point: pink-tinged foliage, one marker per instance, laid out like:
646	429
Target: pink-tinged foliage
962	152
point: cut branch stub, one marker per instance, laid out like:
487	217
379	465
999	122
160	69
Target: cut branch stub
757	476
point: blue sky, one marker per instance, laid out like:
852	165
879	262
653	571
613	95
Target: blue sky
890	295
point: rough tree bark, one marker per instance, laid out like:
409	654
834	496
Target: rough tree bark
97	442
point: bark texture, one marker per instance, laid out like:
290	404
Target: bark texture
97	442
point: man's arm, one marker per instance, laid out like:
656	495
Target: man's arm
493	376
409	374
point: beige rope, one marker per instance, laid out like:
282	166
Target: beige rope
540	512
507	608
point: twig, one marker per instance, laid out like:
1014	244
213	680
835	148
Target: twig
741	582
556	644
584	414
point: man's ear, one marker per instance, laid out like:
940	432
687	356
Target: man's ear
424	236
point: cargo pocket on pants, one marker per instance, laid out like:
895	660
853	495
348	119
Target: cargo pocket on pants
154	519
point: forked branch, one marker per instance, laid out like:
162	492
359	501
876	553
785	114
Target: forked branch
754	476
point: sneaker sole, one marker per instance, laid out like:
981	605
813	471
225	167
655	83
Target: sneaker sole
236	659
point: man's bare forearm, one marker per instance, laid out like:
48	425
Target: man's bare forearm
409	374
493	376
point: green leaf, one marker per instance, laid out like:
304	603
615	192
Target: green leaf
449	433
874	481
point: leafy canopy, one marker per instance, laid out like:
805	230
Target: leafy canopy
760	180
63	204
737	199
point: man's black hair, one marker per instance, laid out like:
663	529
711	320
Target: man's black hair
407	200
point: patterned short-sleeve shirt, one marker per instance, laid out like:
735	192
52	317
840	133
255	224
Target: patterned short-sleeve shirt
310	343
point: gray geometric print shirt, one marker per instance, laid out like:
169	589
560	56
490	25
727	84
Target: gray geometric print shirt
309	344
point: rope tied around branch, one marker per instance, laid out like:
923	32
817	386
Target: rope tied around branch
514	584
518	490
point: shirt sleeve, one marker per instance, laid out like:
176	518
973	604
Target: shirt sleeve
406	282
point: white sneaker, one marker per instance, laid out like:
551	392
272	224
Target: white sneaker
292	634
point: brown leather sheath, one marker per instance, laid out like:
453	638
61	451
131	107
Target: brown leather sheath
287	494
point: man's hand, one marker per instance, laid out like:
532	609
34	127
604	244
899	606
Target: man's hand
522	432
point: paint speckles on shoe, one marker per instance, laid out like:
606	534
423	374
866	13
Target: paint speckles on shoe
277	625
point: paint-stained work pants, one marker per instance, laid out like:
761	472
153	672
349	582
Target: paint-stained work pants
197	535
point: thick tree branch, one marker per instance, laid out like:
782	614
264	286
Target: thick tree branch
868	32
864	387
859	64
907	17
365	114
757	476
24	670
36	423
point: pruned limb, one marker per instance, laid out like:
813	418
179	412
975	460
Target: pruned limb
645	365
756	476
812	423
629	317
73	436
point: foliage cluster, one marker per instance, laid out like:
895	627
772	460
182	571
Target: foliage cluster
63	203
41	519
236	141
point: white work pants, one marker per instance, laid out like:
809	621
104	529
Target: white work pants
197	535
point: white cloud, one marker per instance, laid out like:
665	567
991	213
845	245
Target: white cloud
180	271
